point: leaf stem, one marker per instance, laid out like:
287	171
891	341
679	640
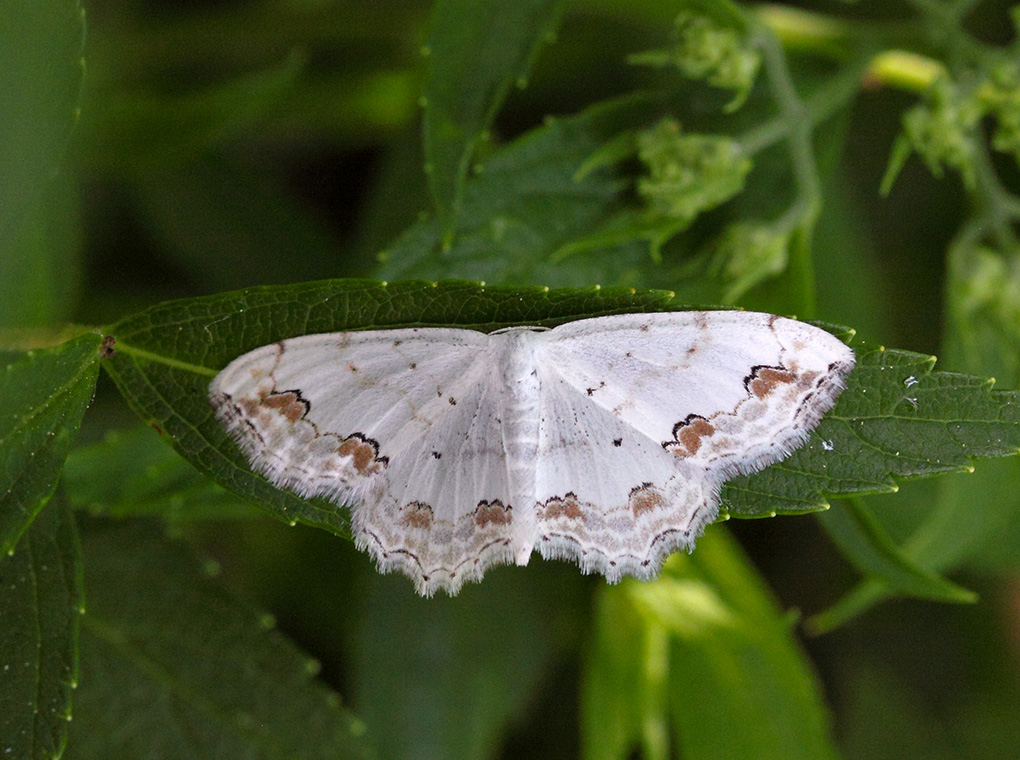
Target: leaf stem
798	123
998	206
946	30
818	106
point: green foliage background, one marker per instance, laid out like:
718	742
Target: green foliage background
192	180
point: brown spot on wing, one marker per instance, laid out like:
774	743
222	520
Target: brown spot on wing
365	453
644	498
418	515
764	380
806	379
566	506
288	403
492	512
687	436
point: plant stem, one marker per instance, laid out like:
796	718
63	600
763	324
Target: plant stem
808	203
998	206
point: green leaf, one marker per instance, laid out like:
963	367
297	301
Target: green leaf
469	665
475	52
41	71
623	693
133	472
45	395
171	664
864	542
41	599
702	651
527	202
896	419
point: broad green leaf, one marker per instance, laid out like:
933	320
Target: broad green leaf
41	602
133	472
866	544
446	677
475	52
41	72
526	203
896	419
702	660
172	666
45	395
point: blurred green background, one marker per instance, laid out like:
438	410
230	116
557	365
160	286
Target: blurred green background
217	145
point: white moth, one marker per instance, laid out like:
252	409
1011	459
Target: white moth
605	441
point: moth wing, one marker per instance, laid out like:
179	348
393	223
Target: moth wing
445	514
609	497
326	414
726	391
